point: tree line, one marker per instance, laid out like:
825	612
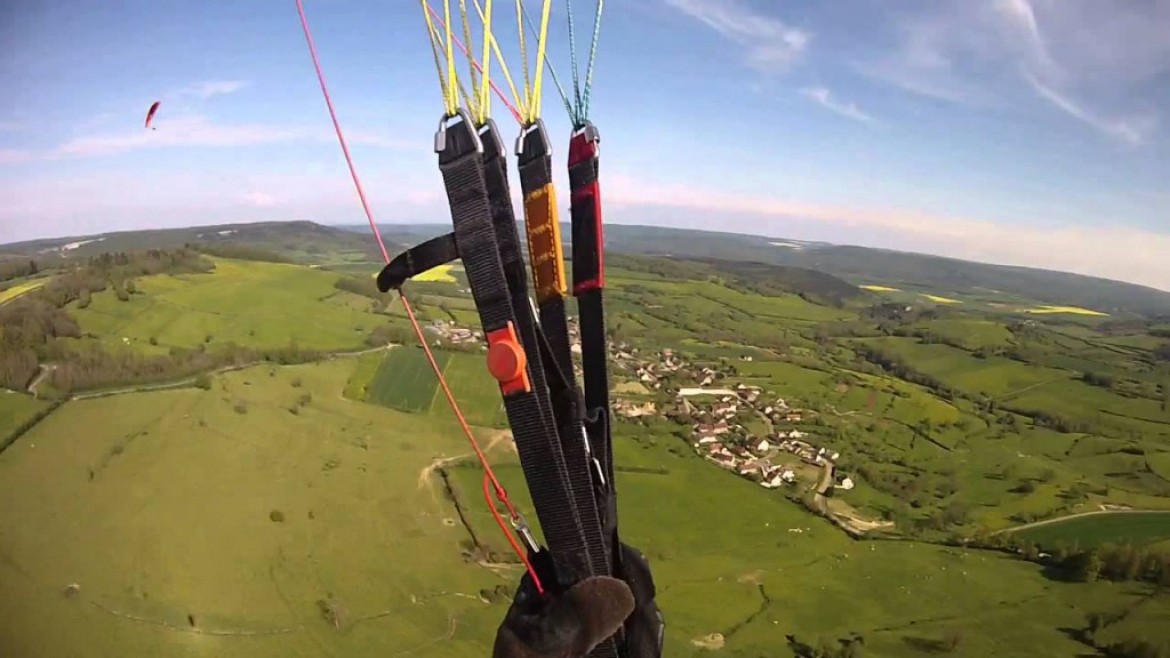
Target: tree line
1112	562
32	326
17	268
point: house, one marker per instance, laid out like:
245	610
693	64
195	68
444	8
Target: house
706	440
834	456
763	446
788	476
794	417
845	484
721	427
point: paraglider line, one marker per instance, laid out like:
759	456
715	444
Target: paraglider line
500	94
489	474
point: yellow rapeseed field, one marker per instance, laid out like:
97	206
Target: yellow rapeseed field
1076	310
16	291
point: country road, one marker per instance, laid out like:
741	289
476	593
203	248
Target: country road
44	372
1099	512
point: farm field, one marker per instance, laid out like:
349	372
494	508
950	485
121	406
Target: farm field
404	381
154	496
253	304
221	518
1137	528
20	289
712	582
15	410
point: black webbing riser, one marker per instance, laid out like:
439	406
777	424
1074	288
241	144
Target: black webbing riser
540	455
536	182
535	165
588	288
495	169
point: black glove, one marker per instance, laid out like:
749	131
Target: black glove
572	623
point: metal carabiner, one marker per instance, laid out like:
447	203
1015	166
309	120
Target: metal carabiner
545	147
596	462
521	526
441	135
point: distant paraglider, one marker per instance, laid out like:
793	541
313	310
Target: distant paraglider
150	114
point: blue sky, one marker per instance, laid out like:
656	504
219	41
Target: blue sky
1027	132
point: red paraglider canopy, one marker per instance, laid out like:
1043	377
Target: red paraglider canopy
150	113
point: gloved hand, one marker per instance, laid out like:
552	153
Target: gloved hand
571	624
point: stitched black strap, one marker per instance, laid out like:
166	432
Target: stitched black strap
544	464
545	255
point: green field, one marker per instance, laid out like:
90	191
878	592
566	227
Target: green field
254	304
358	385
15	410
405	381
213	521
890	592
1138	528
166	514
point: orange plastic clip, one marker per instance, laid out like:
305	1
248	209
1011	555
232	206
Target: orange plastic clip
507	361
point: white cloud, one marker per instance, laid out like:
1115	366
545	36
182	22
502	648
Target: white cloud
1118	252
1132	132
260	199
769	42
197	131
208	89
824	98
55	205
1007	51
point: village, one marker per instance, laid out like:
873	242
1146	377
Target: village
719	416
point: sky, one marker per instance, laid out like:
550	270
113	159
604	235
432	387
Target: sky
1026	132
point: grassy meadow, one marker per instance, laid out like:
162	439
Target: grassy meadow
1137	528
404	380
253	304
167	516
296	511
727	559
15	410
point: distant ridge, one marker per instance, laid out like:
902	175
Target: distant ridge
855	265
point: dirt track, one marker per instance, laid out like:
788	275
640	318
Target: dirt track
424	476
1098	512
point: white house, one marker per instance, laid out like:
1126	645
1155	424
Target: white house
846	484
763	446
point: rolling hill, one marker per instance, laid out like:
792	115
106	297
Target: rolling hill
309	242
